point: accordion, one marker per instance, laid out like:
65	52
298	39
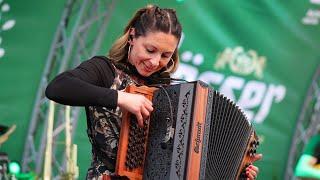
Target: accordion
193	133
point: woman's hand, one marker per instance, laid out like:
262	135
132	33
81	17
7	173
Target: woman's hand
252	171
137	104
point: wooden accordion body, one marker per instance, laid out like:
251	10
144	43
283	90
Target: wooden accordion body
194	133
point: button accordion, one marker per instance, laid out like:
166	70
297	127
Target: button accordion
193	133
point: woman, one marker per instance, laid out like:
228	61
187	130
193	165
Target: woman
147	51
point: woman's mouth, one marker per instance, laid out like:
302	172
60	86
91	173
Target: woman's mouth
148	69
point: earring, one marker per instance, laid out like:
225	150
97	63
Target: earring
129	51
169	67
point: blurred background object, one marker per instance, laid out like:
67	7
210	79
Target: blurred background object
5	131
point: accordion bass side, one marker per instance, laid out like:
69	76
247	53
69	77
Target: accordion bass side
194	133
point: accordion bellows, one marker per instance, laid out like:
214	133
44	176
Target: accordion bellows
193	133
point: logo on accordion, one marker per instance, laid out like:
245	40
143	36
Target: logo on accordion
198	139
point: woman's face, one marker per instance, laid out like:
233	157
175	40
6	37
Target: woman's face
152	52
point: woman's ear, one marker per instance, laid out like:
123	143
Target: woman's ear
132	33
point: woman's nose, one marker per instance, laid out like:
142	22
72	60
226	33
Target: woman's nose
155	61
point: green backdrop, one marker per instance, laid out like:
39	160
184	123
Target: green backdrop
262	54
26	47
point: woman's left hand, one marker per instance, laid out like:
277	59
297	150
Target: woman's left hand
252	171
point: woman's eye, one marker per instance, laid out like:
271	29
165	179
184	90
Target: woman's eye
165	56
150	50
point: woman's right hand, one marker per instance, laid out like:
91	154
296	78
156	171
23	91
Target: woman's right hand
137	104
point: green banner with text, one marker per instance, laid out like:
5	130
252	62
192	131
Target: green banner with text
260	54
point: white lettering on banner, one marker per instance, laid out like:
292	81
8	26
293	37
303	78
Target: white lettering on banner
186	72
211	77
251	97
7	25
274	92
256	97
229	84
315	1
312	16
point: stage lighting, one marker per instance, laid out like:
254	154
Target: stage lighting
14	168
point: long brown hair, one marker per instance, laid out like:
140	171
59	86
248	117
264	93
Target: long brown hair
148	19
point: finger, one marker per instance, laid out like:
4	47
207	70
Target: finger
254	168
257	157
139	119
251	174
145	112
148	101
148	107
